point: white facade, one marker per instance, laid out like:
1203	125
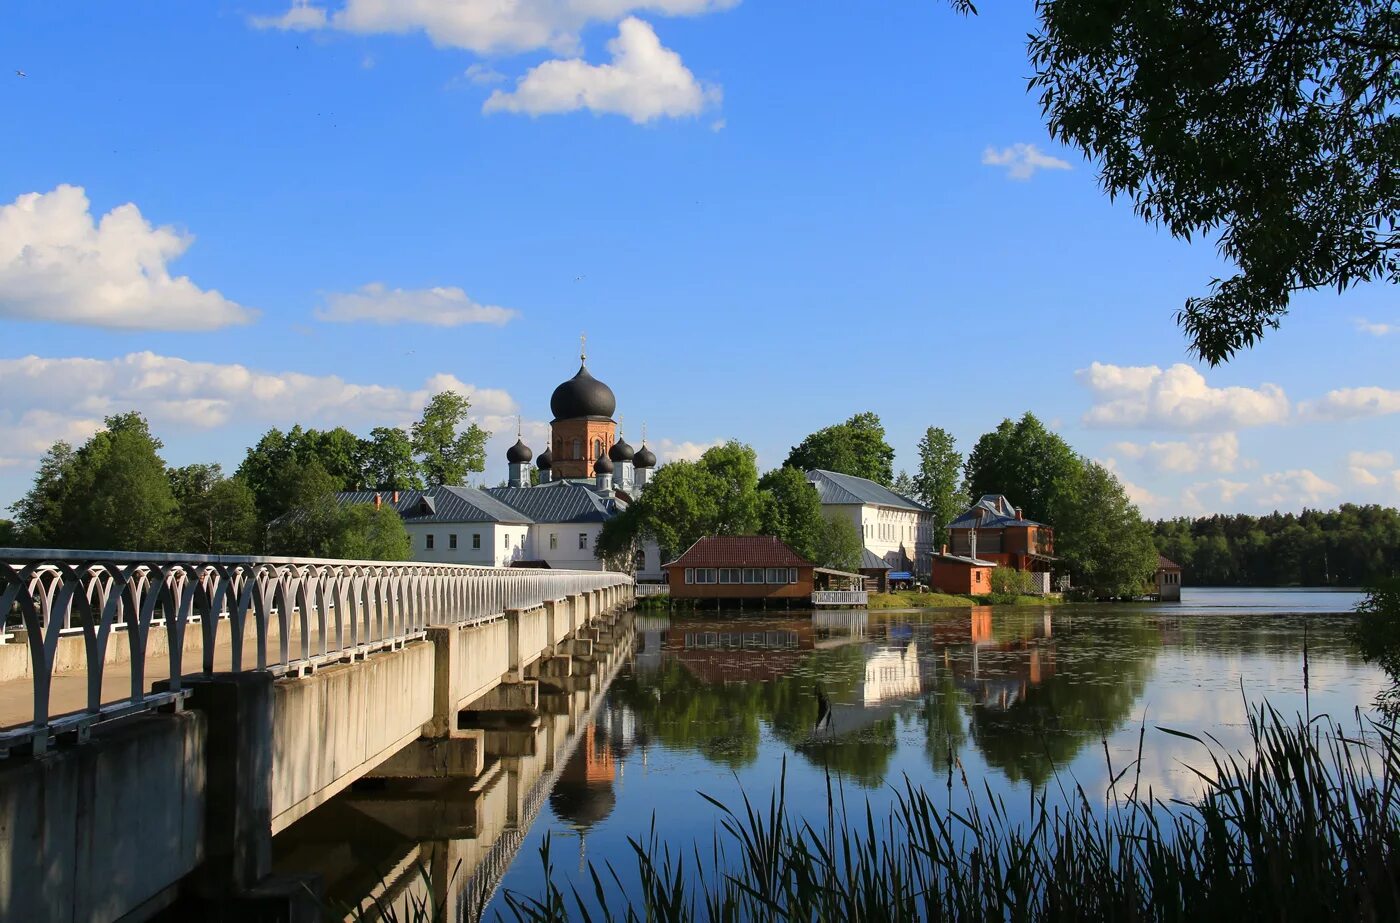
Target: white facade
488	544
899	537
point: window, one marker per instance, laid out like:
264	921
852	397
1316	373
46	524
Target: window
639	560
777	575
429	542
476	539
506	538
578	448
730	575
690	575
753	575
582	541
597	448
452	540
792	575
704	575
553	541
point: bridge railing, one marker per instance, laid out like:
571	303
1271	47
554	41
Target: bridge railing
294	613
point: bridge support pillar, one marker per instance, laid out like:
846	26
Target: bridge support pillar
575	603
461	756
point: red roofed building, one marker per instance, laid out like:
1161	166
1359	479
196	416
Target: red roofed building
748	567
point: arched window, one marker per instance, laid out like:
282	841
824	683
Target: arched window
597	448
578	448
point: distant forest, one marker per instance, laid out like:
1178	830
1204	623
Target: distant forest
1347	547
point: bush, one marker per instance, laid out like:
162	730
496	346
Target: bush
1377	634
1007	581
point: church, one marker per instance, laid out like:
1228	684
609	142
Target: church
586	475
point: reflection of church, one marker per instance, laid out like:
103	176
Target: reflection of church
585	792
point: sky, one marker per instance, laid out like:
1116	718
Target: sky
765	216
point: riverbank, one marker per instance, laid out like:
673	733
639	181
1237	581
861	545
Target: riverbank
913	599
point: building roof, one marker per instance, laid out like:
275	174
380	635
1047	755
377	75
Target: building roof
558	501
645	458
439	504
1166	563
962	559
869	560
519	453
834	488
740	551
621	451
583	396
997	512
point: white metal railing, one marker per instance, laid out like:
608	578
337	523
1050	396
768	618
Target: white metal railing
336	610
840	598
652	589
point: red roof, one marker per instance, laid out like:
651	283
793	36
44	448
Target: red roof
740	551
1166	563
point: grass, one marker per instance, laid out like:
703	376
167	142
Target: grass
911	599
1306	827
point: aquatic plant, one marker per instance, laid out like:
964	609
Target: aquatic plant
1306	827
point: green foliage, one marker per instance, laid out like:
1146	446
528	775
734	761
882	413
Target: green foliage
111	494
447	452
1101	537
388	460
686	501
216	515
856	447
1350	546
1377	634
839	544
9	534
1277	126
1008	581
369	534
1030	465
936	484
791	510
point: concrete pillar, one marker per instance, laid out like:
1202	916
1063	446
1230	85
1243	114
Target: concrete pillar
554	610
443	638
461	756
515	654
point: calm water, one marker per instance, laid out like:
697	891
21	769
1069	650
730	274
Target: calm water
1020	699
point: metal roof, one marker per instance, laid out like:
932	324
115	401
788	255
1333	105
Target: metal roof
558	501
438	504
997	512
740	551
834	488
869	560
962	559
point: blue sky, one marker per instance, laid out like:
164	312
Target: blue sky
766	216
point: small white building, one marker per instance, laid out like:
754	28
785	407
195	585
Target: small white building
897	530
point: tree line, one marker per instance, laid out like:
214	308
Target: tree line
116	492
1351	546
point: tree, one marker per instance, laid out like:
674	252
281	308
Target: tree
1377	634
791	510
39	513
446	455
839	544
9	534
1101	537
216	515
856	447
367	534
1027	463
733	469
904	485
387	460
1274	124
936	482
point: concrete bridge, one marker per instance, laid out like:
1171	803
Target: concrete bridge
131	778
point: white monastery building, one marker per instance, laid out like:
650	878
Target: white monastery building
896	530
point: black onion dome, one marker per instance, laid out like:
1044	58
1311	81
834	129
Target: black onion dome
621	451
546	460
603	465
582	396
518	453
581	806
644	458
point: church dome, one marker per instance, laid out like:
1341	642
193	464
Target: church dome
519	453
644	458
621	451
603	465
582	396
546	460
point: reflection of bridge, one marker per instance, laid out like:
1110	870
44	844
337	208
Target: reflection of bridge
312	674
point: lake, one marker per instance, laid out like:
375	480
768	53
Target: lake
1019	699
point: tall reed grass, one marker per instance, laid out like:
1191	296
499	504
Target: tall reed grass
1305	827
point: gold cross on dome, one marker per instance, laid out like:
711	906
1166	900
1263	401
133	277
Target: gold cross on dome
583	347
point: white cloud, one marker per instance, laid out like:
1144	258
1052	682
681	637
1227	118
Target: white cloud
483	75
1375	328
644	81
1352	403
302	17
438	307
1176	398
76	393
1022	160
484	26
669	451
1216	453
59	264
1289	489
1369	469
